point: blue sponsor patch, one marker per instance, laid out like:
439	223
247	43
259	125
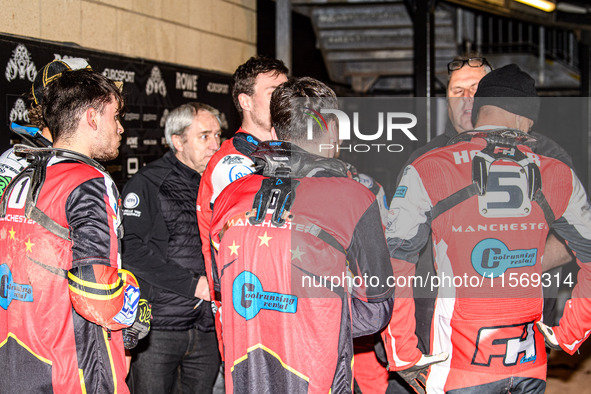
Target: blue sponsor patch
400	192
238	171
130	303
491	258
275	143
252	140
249	297
9	290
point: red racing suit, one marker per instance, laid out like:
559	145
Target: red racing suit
376	188
288	313
370	374
488	252
63	300
231	162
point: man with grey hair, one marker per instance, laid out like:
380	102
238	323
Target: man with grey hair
163	247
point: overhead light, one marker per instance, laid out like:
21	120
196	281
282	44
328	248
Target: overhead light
543	5
574	9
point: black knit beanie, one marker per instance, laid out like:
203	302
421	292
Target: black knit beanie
508	88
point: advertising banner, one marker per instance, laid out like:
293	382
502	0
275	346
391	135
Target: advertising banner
151	90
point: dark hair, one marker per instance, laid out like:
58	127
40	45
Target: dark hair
245	75
66	99
36	114
45	76
292	104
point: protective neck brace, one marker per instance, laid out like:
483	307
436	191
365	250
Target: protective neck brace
36	173
283	159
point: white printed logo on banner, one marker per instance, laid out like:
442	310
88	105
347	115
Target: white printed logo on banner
57	56
119	75
19	112
188	84
220	88
163	118
131	116
132	142
156	83
20	65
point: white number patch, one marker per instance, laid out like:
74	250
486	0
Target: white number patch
506	193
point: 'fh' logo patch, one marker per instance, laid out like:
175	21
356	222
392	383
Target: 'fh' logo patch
513	344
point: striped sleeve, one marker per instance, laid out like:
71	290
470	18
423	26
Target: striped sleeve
575	227
407	231
104	295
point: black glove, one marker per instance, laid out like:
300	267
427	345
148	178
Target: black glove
140	327
417	380
416	376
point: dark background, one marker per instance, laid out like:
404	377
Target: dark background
143	139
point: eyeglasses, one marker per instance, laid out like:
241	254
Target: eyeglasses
472	62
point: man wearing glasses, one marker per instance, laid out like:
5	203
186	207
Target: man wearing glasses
465	73
488	329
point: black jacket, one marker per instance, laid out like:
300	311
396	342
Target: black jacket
161	245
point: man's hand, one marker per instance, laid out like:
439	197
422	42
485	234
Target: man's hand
549	336
202	289
416	376
140	327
